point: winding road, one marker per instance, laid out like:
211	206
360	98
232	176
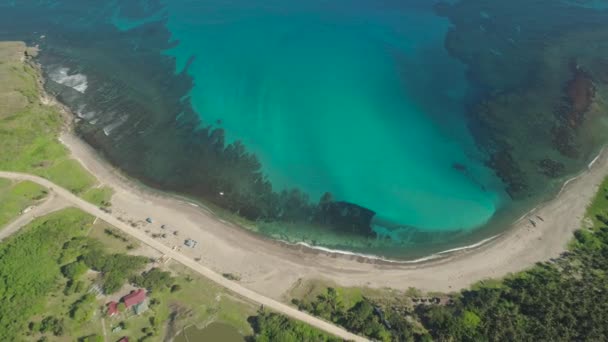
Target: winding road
71	199
50	204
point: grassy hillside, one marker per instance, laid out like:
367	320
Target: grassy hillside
29	129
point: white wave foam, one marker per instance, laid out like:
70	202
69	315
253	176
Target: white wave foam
87	116
376	257
77	82
475	245
594	160
109	128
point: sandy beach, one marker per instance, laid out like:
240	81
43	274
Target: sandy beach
271	267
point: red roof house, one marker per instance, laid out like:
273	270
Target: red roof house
135	297
112	308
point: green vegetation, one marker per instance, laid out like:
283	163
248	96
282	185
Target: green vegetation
91	338
560	300
15	197
99	196
565	299
29	144
114	240
116	268
270	327
598	209
154	280
45	279
29	129
83	309
69	174
362	317
29	268
74	270
49	324
187	299
44	271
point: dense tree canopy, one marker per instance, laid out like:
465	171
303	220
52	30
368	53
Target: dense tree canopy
116	268
562	301
154	280
270	327
565	299
29	268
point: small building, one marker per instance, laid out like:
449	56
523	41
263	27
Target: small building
112	309
141	307
149	220
135	297
191	243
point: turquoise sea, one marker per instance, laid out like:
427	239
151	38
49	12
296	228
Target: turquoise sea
338	97
372	126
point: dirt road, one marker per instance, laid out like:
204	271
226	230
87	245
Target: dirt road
186	261
270	267
50	204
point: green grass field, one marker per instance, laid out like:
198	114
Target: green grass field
599	206
15	197
30	268
198	302
29	130
112	238
100	196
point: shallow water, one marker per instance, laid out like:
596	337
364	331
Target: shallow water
416	123
328	96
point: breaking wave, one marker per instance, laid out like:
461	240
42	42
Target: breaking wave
77	82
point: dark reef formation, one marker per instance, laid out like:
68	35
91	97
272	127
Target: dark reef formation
537	68
579	94
136	111
346	217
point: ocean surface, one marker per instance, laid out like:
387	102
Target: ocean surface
353	125
338	97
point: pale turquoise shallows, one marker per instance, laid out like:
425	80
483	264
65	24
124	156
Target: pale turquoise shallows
349	97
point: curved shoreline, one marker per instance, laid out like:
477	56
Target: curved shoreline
297	245
272	266
372	257
446	253
436	256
